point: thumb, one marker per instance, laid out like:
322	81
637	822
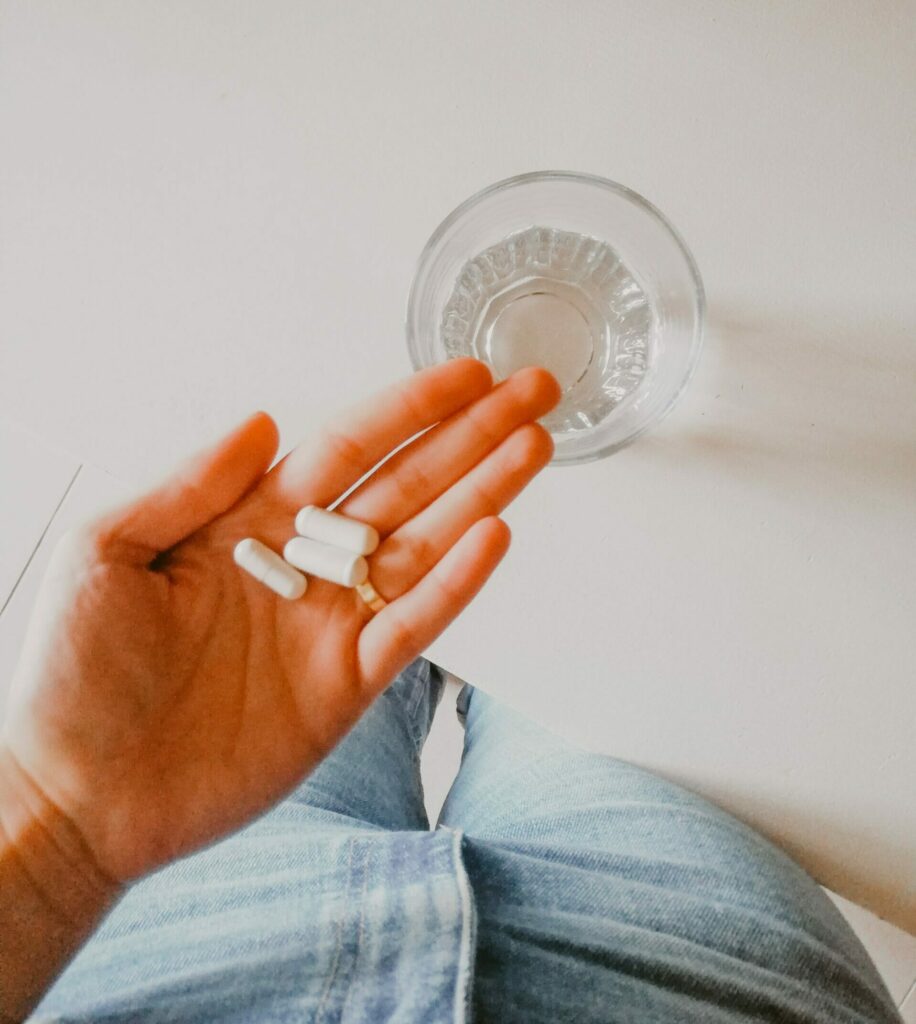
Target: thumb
198	491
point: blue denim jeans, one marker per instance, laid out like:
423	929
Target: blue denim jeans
558	886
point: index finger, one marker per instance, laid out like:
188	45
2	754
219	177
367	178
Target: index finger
322	468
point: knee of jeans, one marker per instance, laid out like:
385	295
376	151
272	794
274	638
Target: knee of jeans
463	702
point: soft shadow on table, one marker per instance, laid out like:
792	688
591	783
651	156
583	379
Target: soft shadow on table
812	401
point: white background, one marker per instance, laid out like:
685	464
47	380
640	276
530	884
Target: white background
211	207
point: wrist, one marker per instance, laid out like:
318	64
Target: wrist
52	894
41	843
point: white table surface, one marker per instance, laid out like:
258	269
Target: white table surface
207	208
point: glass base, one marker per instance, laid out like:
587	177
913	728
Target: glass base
561	300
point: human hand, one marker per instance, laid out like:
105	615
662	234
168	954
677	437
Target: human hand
164	697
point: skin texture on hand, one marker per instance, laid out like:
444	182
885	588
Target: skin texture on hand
52	896
164	697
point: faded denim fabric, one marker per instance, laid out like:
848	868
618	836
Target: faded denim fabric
559	886
606	894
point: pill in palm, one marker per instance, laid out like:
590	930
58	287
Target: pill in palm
269	568
327	562
333	528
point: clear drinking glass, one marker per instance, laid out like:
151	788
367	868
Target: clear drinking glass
577	274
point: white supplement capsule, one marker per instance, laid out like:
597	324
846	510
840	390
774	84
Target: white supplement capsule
327	562
269	568
333	528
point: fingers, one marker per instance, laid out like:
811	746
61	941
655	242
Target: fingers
199	491
323	468
411	551
419	473
406	627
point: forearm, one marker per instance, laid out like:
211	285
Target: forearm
51	895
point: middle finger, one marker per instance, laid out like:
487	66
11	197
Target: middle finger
427	467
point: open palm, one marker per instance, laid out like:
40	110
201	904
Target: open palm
164	697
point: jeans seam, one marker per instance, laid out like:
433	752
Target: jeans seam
421	687
464	979
361	930
320	1010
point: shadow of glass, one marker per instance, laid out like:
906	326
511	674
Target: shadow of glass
806	402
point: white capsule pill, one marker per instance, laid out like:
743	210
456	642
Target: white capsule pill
328	562
269	568
333	528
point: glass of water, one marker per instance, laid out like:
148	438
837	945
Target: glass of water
574	273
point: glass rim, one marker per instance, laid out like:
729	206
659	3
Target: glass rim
581	178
